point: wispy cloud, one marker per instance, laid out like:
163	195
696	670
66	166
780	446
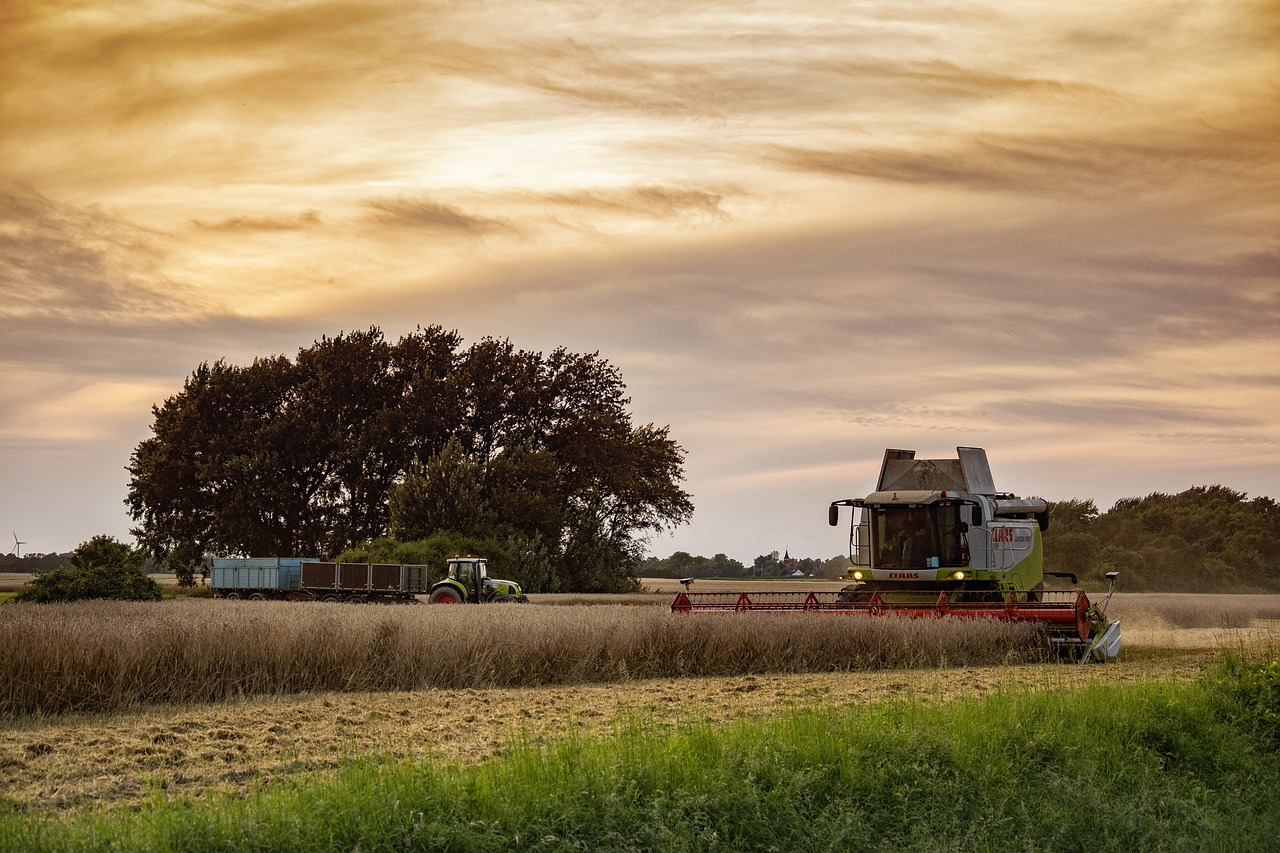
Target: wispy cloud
71	263
426	215
306	219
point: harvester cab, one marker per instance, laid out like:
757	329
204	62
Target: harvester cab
468	581
940	524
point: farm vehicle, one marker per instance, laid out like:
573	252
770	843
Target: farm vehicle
309	579
469	582
937	539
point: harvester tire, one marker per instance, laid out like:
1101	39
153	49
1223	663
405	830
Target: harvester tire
854	594
444	595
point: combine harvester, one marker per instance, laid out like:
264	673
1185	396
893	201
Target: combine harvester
936	539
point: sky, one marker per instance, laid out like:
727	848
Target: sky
804	231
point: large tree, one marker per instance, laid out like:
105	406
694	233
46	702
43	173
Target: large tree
358	437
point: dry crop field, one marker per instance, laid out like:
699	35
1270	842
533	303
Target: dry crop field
13	581
107	703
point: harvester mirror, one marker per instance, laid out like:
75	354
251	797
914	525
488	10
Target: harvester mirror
833	515
977	515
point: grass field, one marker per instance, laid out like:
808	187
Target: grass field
1153	765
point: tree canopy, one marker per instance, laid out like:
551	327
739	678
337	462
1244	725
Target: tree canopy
1204	539
358	438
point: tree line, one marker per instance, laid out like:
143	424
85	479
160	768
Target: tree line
1204	539
681	564
360	444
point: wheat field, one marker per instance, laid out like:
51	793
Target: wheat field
109	655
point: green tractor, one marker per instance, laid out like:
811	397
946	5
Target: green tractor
469	583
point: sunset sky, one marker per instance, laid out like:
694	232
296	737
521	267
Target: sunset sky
804	231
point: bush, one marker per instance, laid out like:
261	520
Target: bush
100	568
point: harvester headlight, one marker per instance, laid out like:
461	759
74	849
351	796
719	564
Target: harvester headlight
857	576
959	576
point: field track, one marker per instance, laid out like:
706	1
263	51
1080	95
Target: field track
61	764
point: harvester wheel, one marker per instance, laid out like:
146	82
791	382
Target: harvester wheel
444	595
855	594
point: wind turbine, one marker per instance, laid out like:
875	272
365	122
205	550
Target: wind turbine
17	546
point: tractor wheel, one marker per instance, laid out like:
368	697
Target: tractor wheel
501	598
444	595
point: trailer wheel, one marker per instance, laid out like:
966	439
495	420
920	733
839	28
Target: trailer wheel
257	596
232	596
331	598
355	599
444	595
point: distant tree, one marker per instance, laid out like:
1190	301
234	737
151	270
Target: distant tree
767	566
681	564
100	568
836	566
1072	516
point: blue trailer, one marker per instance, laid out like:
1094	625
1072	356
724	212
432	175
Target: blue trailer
311	579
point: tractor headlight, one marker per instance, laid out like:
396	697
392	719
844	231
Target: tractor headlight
959	576
857	576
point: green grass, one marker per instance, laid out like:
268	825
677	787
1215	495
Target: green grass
1152	766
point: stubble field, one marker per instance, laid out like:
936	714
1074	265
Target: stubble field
502	677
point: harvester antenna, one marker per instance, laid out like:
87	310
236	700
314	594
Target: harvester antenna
688	582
